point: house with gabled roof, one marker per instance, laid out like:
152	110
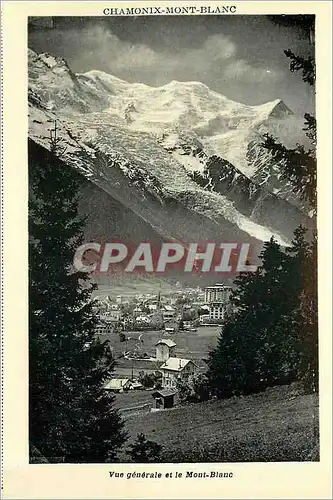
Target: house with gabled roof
118	385
165	348
175	369
164	398
168	313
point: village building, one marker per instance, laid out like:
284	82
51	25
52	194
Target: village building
136	386
217	293
217	298
168	313
164	349
105	325
114	313
122	384
204	318
118	385
152	307
127	323
171	327
137	310
164	398
143	318
175	369
113	307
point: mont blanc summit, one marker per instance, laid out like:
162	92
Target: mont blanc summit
146	147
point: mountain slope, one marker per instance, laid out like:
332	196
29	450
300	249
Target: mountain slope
120	136
280	424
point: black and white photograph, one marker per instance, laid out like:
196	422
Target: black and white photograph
173	306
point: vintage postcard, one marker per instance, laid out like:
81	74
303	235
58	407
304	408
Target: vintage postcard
167	185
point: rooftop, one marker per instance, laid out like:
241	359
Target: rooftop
168	308
116	383
136	385
164	393
175	364
218	285
167	342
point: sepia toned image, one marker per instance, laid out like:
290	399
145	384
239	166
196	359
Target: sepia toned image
173	310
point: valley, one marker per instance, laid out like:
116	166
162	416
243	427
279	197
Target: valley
142	150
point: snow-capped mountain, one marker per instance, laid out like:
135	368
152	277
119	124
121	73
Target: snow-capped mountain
176	156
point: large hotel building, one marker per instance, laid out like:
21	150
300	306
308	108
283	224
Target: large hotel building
217	298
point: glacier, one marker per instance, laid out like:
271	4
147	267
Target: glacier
140	145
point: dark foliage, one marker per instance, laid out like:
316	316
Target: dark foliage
273	336
149	380
144	451
122	337
306	65
258	346
299	165
194	391
305	21
71	417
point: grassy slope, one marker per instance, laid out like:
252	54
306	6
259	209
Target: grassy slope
276	425
191	345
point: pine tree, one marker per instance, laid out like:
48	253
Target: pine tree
273	336
143	450
299	166
257	346
71	418
309	362
306	65
304	260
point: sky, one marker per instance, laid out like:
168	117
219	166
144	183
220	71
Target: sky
240	57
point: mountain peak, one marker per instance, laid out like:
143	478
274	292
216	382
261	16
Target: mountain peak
280	109
176	108
49	61
179	83
140	144
94	73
